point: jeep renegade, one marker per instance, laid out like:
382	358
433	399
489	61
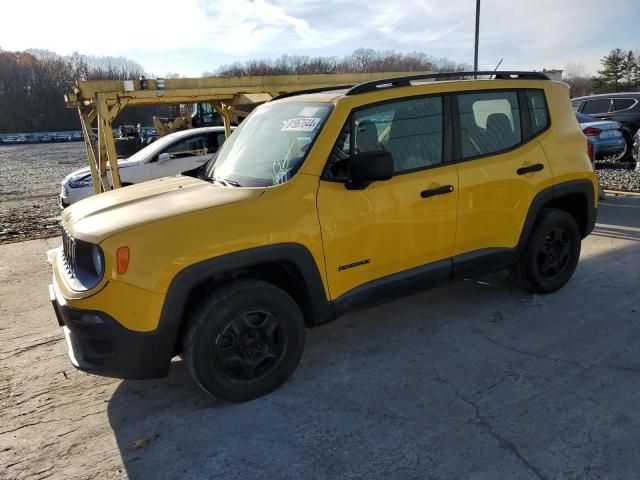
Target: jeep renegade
323	202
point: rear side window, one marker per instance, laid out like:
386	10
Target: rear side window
489	122
537	110
622	103
597	105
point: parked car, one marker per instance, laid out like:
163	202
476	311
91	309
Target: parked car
636	148
179	152
605	135
620	107
321	203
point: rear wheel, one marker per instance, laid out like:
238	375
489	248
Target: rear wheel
551	254
244	340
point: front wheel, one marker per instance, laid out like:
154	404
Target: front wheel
244	340
551	254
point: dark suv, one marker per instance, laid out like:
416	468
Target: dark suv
620	107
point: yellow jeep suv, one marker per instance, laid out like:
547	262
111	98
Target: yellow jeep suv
322	202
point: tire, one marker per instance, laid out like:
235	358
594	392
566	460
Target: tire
551	254
244	340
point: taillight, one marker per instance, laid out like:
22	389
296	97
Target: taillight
592	131
590	150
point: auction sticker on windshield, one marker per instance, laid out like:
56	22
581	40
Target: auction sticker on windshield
306	124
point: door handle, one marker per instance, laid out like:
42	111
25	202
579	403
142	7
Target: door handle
432	192
536	167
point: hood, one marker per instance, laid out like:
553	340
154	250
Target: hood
86	171
101	216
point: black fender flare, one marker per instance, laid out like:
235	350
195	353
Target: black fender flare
582	186
320	308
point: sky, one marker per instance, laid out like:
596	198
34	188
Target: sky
190	37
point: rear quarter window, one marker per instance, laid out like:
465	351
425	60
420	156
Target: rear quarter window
537	110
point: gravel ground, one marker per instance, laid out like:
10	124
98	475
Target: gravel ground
623	176
30	185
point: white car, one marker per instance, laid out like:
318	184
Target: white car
176	153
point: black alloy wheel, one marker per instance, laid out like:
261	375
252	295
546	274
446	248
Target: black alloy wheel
251	345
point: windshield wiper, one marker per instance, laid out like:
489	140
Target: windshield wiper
230	182
224	181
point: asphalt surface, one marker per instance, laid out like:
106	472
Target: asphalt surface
475	380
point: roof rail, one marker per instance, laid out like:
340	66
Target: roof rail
311	90
406	81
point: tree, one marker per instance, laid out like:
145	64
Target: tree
575	76
629	68
613	70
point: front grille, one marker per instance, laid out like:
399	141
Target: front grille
69	252
64	193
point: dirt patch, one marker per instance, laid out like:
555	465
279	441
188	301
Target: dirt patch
30	178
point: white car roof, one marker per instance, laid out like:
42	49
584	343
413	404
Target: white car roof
195	131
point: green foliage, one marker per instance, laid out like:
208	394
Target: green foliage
621	72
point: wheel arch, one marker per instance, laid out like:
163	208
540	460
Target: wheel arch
575	197
289	266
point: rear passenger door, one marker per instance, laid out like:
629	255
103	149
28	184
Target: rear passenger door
501	166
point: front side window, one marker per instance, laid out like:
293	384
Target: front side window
269	146
489	122
597	105
411	130
188	147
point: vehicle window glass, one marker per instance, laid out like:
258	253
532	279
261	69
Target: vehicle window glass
338	164
189	146
489	122
411	130
270	146
622	103
597	105
537	110
576	105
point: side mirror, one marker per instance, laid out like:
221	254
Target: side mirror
368	167
163	157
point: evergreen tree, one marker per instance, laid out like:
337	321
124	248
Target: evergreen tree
629	67
613	71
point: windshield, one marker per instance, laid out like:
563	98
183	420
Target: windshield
269	147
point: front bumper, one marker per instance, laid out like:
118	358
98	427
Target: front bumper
98	344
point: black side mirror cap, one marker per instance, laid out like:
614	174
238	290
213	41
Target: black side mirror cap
368	167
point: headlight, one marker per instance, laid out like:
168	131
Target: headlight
98	261
81	182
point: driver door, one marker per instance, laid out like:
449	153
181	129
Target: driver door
400	229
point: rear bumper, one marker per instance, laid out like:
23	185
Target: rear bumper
609	147
98	344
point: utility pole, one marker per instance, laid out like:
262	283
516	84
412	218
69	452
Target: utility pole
475	55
